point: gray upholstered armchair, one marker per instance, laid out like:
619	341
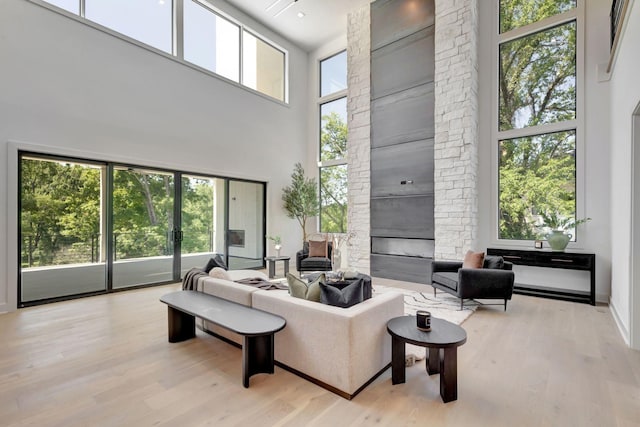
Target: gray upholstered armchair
304	262
494	280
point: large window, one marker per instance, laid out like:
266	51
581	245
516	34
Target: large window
203	37
333	143
537	115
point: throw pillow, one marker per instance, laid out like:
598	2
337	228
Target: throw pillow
318	248
494	262
345	297
473	260
216	261
298	288
219	273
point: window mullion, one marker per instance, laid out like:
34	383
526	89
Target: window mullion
536	27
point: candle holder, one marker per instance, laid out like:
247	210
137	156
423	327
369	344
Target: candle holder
423	320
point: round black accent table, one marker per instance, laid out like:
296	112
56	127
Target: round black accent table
442	356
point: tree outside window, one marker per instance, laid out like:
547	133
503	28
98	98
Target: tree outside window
333	144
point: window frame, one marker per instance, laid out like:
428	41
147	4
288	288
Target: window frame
578	15
321	100
177	44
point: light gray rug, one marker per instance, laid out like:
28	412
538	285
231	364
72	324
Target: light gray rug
443	306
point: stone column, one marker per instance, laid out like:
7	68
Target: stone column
456	127
359	141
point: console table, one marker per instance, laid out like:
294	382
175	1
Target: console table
565	260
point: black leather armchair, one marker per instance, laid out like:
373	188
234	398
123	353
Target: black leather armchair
306	263
494	280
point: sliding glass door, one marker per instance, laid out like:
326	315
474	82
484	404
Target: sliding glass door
143	227
90	227
61	228
203	220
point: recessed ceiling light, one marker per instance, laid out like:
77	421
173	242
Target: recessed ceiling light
301	15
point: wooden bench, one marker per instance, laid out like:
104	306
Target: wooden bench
256	326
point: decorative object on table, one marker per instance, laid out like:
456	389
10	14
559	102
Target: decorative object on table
538	244
445	307
339	240
350	273
442	359
300	199
559	227
423	320
277	244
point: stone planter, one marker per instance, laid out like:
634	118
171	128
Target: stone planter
558	240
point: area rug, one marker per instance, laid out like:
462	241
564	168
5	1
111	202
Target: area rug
442	306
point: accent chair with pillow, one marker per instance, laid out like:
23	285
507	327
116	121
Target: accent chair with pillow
476	277
314	256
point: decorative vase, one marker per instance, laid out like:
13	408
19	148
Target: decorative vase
277	248
558	240
337	259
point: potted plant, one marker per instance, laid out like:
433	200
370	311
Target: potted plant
277	243
300	199
559	238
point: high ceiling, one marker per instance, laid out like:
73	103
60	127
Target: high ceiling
323	20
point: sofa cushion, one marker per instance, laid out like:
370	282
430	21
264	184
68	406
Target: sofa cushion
344	297
494	262
216	261
298	288
448	279
318	248
219	273
473	260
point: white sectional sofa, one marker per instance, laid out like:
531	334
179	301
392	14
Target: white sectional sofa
341	349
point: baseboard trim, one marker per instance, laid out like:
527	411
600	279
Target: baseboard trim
616	317
309	378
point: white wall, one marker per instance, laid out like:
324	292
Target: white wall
625	96
594	187
70	89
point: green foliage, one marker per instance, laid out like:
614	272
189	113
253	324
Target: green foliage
333	179
333	199
60	215
60	210
300	199
275	239
333	137
554	221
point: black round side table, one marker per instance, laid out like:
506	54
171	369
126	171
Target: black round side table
442	355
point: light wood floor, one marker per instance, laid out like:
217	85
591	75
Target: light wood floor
105	361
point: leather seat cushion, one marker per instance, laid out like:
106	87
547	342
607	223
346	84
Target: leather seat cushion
315	262
448	279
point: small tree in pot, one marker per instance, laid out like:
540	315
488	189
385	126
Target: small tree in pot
301	198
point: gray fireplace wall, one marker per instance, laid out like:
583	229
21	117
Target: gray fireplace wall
402	139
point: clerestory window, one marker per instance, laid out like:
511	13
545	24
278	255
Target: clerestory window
193	31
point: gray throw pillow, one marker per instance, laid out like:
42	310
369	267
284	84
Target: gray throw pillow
216	261
494	262
346	297
299	288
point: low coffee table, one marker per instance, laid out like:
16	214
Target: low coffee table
442	356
